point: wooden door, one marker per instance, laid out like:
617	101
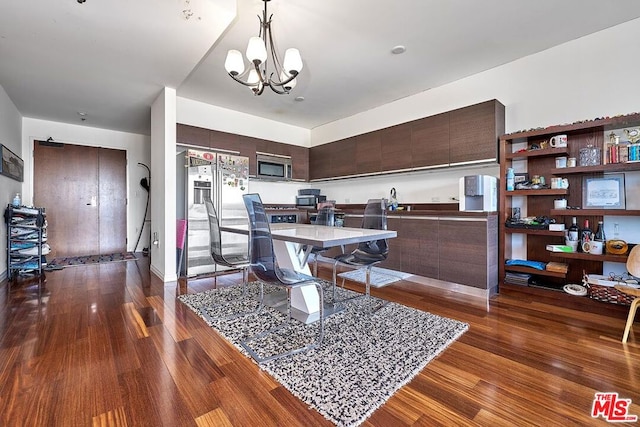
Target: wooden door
112	200
84	192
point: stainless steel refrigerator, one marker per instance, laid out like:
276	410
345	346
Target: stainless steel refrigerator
224	178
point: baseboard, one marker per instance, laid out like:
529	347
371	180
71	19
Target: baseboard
163	277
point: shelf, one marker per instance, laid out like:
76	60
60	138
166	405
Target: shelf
594	212
522	269
543	192
590	257
537	153
34	234
612	167
604	124
541	202
514	230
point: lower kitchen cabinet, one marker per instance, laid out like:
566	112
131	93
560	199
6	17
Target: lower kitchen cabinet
455	247
416	247
468	249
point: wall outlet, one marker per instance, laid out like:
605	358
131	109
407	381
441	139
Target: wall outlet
435	199
347	200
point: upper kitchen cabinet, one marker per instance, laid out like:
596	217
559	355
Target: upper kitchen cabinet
343	155
320	161
474	132
192	135
300	160
224	141
368	153
247	148
396	147
430	141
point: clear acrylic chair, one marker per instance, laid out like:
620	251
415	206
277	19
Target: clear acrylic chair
264	266
230	259
326	216
367	254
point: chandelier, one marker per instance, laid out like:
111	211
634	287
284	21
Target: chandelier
260	51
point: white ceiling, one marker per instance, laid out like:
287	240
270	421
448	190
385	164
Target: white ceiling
111	59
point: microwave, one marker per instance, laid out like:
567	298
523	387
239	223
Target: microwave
273	166
309	200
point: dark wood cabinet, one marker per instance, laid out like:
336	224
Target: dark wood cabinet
320	161
465	135
430	141
469	134
368	153
467	250
245	146
474	132
192	135
395	147
343	154
417	245
224	141
300	160
444	246
394	259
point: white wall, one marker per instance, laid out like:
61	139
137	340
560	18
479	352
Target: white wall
136	146
195	113
10	132
163	193
590	77
594	76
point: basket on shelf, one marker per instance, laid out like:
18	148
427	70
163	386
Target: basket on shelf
605	292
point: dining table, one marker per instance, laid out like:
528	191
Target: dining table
292	244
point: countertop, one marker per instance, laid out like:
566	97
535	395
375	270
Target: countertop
358	209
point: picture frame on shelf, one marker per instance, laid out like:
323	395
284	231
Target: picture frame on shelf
521	177
10	164
606	192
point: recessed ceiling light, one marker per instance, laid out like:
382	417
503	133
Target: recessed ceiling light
299	98
398	50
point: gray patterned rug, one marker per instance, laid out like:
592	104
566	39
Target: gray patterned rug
364	358
379	276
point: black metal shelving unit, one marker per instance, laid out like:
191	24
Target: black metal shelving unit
26	239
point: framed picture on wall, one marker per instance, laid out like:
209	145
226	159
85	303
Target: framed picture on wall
606	192
11	165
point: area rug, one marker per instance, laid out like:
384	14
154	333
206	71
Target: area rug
379	276
90	259
364	358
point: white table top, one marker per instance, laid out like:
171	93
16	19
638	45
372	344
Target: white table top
318	235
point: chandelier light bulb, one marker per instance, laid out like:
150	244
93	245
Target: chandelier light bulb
256	50
290	85
292	61
234	63
253	78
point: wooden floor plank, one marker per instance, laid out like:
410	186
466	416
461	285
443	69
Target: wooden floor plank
110	345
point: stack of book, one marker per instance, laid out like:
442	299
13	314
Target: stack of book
617	151
517	278
557	267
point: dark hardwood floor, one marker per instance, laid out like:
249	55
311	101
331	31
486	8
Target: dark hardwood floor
109	345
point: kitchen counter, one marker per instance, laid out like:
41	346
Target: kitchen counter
441	213
444	244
